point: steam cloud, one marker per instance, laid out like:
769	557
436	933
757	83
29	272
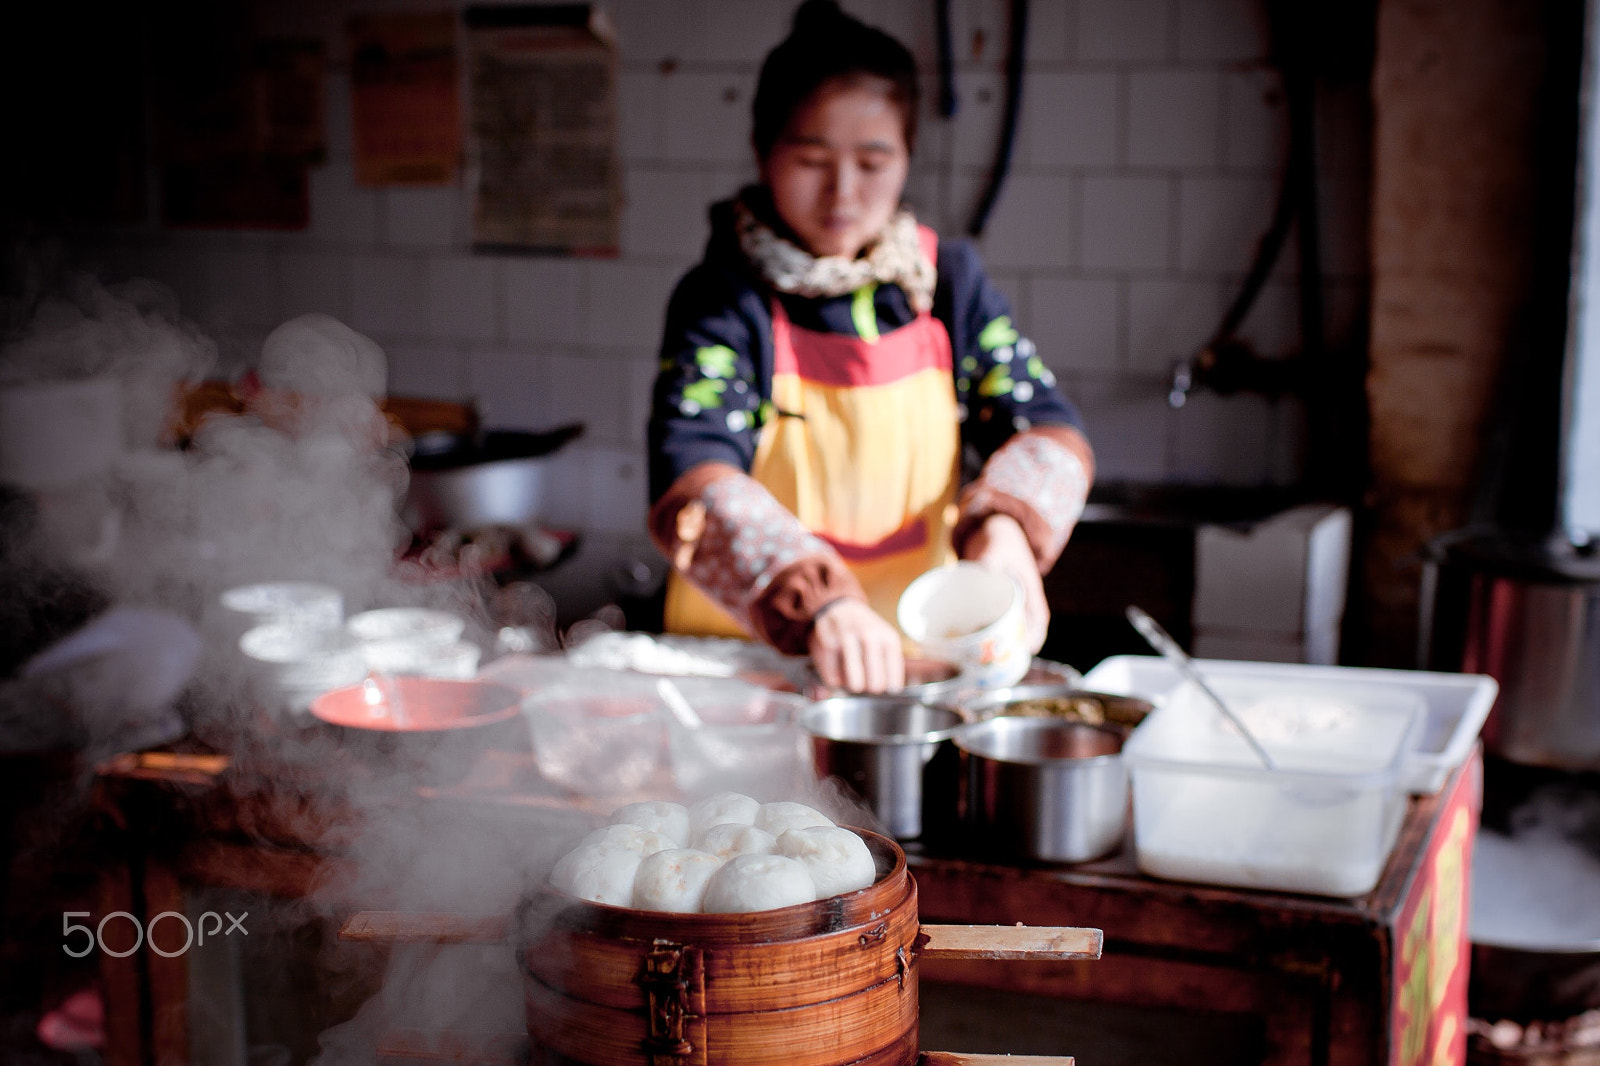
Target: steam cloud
303	485
1539	887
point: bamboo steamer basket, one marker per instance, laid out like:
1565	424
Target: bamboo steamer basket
828	983
819	984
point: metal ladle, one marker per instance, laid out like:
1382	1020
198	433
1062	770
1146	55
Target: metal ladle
1162	641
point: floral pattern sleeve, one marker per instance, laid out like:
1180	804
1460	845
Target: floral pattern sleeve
1037	464
706	405
726	534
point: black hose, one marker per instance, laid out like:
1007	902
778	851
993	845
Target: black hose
1015	60
947	60
1297	194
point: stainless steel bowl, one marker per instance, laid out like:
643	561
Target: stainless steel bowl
894	751
932	681
1046	788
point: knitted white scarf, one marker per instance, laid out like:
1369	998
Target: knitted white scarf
895	257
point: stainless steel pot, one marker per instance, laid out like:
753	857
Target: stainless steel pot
894	751
1528	615
458	484
1533	984
507	492
1534	920
1059	700
1046	788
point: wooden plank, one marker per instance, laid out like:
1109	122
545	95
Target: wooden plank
1036	943
960	1058
406	927
178	768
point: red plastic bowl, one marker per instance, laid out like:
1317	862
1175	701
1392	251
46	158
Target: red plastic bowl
417	705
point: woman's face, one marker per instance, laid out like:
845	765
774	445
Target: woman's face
837	172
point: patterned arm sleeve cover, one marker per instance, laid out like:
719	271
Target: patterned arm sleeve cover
1037	464
722	529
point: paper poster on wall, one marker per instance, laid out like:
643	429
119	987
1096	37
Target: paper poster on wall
405	106
542	130
235	122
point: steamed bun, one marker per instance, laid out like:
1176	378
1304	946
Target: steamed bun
758	883
776	818
632	838
731	838
674	880
721	808
671	820
837	859
599	871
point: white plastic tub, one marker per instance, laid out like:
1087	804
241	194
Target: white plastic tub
1457	704
1322	822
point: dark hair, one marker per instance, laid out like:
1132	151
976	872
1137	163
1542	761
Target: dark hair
826	44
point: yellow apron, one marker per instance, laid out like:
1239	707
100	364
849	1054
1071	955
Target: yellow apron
872	466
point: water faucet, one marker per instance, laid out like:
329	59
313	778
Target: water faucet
1233	366
1181	384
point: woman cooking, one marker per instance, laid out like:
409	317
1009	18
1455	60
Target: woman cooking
822	370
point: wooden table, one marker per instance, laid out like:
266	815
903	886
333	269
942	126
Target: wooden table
1378	979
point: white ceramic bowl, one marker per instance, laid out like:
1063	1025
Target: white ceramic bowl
299	663
972	616
303	603
406	627
457	660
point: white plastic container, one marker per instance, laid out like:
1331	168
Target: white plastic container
972	616
1322	822
1457	704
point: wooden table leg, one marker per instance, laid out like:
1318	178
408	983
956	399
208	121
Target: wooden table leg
168	974
125	1037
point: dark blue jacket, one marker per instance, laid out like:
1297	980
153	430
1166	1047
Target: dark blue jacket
712	392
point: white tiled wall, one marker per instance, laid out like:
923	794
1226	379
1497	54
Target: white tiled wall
1146	167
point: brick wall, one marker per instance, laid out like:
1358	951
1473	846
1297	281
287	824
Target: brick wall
1146	168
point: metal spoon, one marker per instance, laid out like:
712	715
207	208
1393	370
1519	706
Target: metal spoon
1162	641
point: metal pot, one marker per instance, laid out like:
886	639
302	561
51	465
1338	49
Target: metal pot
894	751
1046	788
1533	984
1534	920
459	484
1527	613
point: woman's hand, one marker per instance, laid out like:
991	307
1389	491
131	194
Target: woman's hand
854	649
1000	544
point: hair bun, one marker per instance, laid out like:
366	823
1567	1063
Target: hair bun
818	16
